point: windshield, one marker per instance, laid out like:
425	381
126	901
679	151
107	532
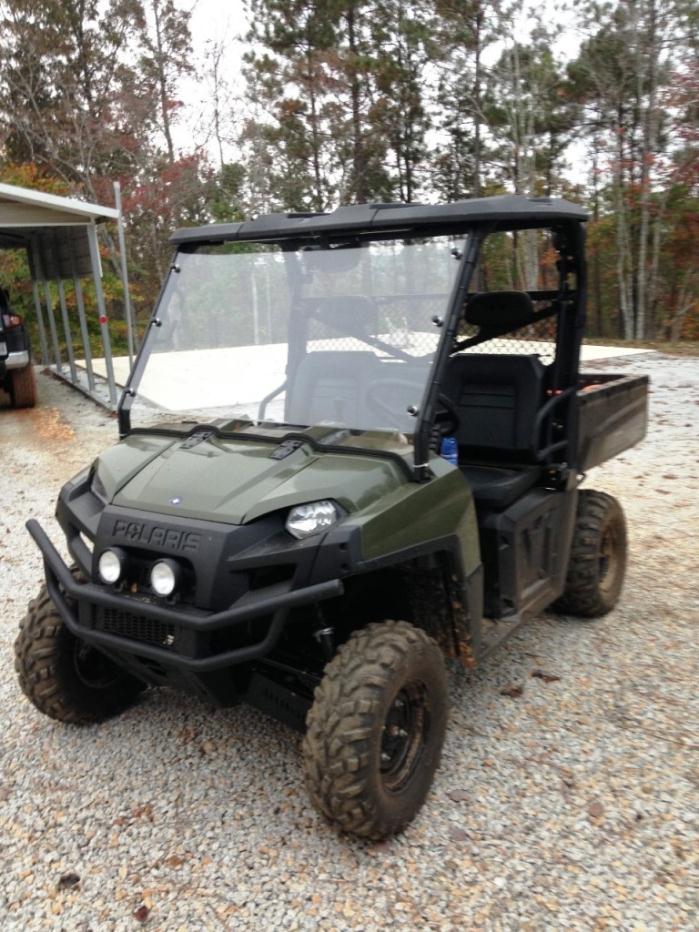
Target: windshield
341	335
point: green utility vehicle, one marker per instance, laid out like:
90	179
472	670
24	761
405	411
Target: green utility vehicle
16	373
349	451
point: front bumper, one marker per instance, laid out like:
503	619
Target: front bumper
77	603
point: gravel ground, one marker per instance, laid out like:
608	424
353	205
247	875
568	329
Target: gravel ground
572	805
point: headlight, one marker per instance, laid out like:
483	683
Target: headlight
305	520
164	577
110	566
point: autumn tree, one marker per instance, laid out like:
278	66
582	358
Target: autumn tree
623	75
69	99
165	59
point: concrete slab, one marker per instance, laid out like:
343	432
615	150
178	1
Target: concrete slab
178	375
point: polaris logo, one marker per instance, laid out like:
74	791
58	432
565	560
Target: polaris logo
169	538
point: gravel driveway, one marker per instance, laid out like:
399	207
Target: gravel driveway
568	801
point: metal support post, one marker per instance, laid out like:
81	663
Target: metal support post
102	310
40	322
52	325
39	267
84	333
66	330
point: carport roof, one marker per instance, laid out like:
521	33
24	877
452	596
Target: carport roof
56	226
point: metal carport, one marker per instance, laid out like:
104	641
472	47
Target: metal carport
60	237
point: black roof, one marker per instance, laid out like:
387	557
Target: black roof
506	212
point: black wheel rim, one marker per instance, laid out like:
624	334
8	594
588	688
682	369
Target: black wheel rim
93	668
404	736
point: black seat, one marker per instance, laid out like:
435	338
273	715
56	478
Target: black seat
497	398
497	487
329	387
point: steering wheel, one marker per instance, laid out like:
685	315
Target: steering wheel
447	420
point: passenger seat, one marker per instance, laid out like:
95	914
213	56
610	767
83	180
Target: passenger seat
497	398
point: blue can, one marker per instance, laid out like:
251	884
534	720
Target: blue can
450	450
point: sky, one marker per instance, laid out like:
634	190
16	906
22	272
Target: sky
211	21
224	21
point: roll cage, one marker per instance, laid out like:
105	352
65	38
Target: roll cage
477	220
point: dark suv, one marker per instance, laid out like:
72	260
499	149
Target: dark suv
16	372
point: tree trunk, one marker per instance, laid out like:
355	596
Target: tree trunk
359	167
315	135
596	271
646	155
477	77
162	83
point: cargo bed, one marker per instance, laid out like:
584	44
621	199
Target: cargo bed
612	416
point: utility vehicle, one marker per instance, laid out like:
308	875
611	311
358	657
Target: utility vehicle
16	373
277	524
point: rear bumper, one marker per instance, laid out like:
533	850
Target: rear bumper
17	360
77	604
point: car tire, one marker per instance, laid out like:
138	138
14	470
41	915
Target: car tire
597	562
62	676
23	387
376	729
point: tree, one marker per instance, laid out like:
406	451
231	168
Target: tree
289	84
402	37
465	31
166	58
69	99
621	75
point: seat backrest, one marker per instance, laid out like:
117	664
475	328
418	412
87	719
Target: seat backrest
329	386
497	398
346	315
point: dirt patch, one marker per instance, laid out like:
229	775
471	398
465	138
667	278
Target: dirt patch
41	425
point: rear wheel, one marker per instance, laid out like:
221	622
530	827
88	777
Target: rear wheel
63	676
23	387
597	558
376	729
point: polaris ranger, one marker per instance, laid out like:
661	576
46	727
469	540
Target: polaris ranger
16	372
346	454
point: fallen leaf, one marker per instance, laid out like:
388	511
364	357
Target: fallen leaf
514	691
458	834
546	677
595	810
143	812
458	796
68	881
174	861
141	913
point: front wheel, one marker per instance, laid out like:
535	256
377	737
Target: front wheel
376	729
64	677
597	562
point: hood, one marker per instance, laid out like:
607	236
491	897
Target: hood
235	481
